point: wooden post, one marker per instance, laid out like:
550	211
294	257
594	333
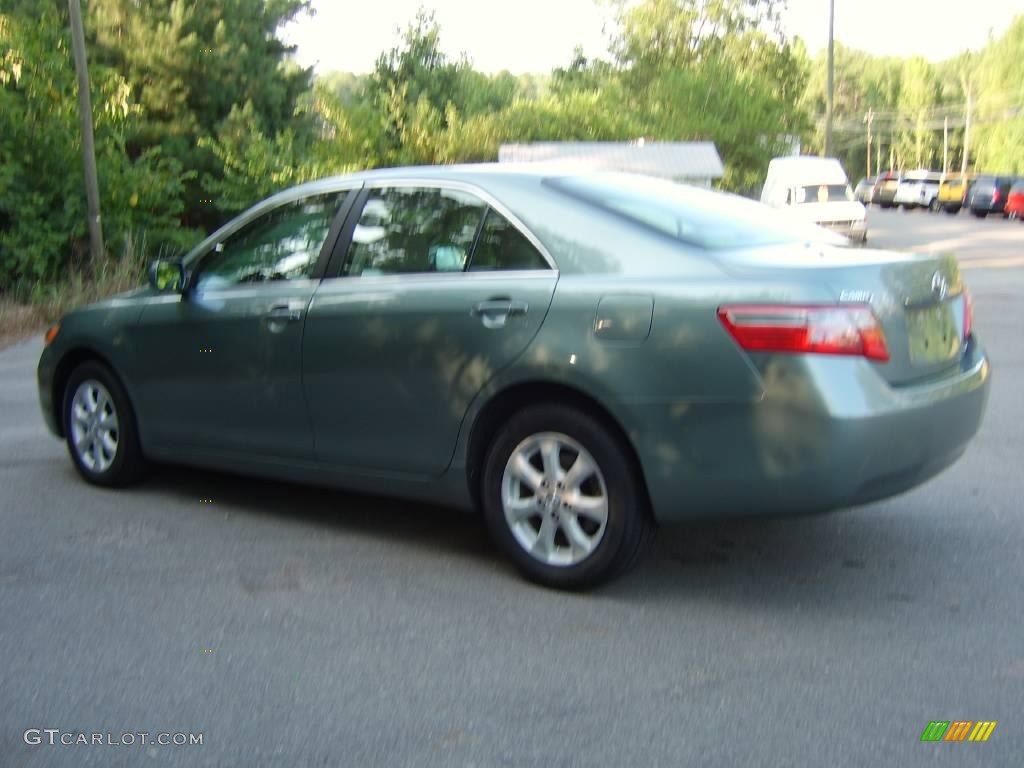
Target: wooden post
945	145
92	187
967	135
869	118
830	99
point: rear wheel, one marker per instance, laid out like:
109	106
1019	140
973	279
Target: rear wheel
934	205
562	500
99	427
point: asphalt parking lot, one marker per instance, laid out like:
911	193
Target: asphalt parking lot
302	627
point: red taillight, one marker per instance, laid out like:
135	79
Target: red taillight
968	315
846	329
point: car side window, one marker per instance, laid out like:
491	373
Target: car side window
502	246
282	244
404	230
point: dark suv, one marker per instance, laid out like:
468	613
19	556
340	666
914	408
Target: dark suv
988	195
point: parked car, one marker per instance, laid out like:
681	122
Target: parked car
884	191
952	192
918	189
817	190
1015	201
988	195
862	192
575	356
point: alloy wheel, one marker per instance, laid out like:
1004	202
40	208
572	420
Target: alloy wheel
555	499
94	426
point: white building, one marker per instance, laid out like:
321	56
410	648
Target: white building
691	162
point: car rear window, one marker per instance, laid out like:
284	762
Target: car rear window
824	193
710	220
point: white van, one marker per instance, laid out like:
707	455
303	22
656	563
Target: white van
816	189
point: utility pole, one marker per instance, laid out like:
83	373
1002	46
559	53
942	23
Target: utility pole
92	187
967	134
869	118
945	145
829	103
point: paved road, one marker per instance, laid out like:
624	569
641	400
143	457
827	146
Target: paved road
296	627
978	242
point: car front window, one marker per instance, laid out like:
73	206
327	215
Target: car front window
283	244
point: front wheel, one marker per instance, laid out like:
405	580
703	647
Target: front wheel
934	205
562	500
99	427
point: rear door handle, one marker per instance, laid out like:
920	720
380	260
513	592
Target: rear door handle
494	313
287	313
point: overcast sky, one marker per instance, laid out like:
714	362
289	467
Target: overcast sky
537	35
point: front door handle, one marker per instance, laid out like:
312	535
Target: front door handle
279	314
494	313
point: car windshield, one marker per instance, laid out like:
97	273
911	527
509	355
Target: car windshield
710	220
823	193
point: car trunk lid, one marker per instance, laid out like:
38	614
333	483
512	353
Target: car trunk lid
918	299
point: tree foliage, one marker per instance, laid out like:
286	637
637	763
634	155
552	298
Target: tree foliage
200	111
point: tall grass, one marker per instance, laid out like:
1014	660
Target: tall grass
29	307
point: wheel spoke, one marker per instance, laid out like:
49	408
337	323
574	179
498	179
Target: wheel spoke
522	508
97	455
109	443
524	472
550	450
593	507
580	470
545	544
82	443
578	538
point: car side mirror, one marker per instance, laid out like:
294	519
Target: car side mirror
167	276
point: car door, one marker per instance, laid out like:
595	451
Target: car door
220	364
438	290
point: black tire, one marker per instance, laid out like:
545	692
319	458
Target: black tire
127	463
934	205
952	210
979	214
629	525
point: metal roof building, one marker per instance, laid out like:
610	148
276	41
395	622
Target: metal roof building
693	162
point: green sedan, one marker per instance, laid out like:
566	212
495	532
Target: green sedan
575	356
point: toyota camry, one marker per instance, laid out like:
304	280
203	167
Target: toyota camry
574	356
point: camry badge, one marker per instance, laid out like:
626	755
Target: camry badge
939	286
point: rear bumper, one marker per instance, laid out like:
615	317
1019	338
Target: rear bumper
828	433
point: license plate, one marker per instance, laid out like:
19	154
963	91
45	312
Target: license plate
932	334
